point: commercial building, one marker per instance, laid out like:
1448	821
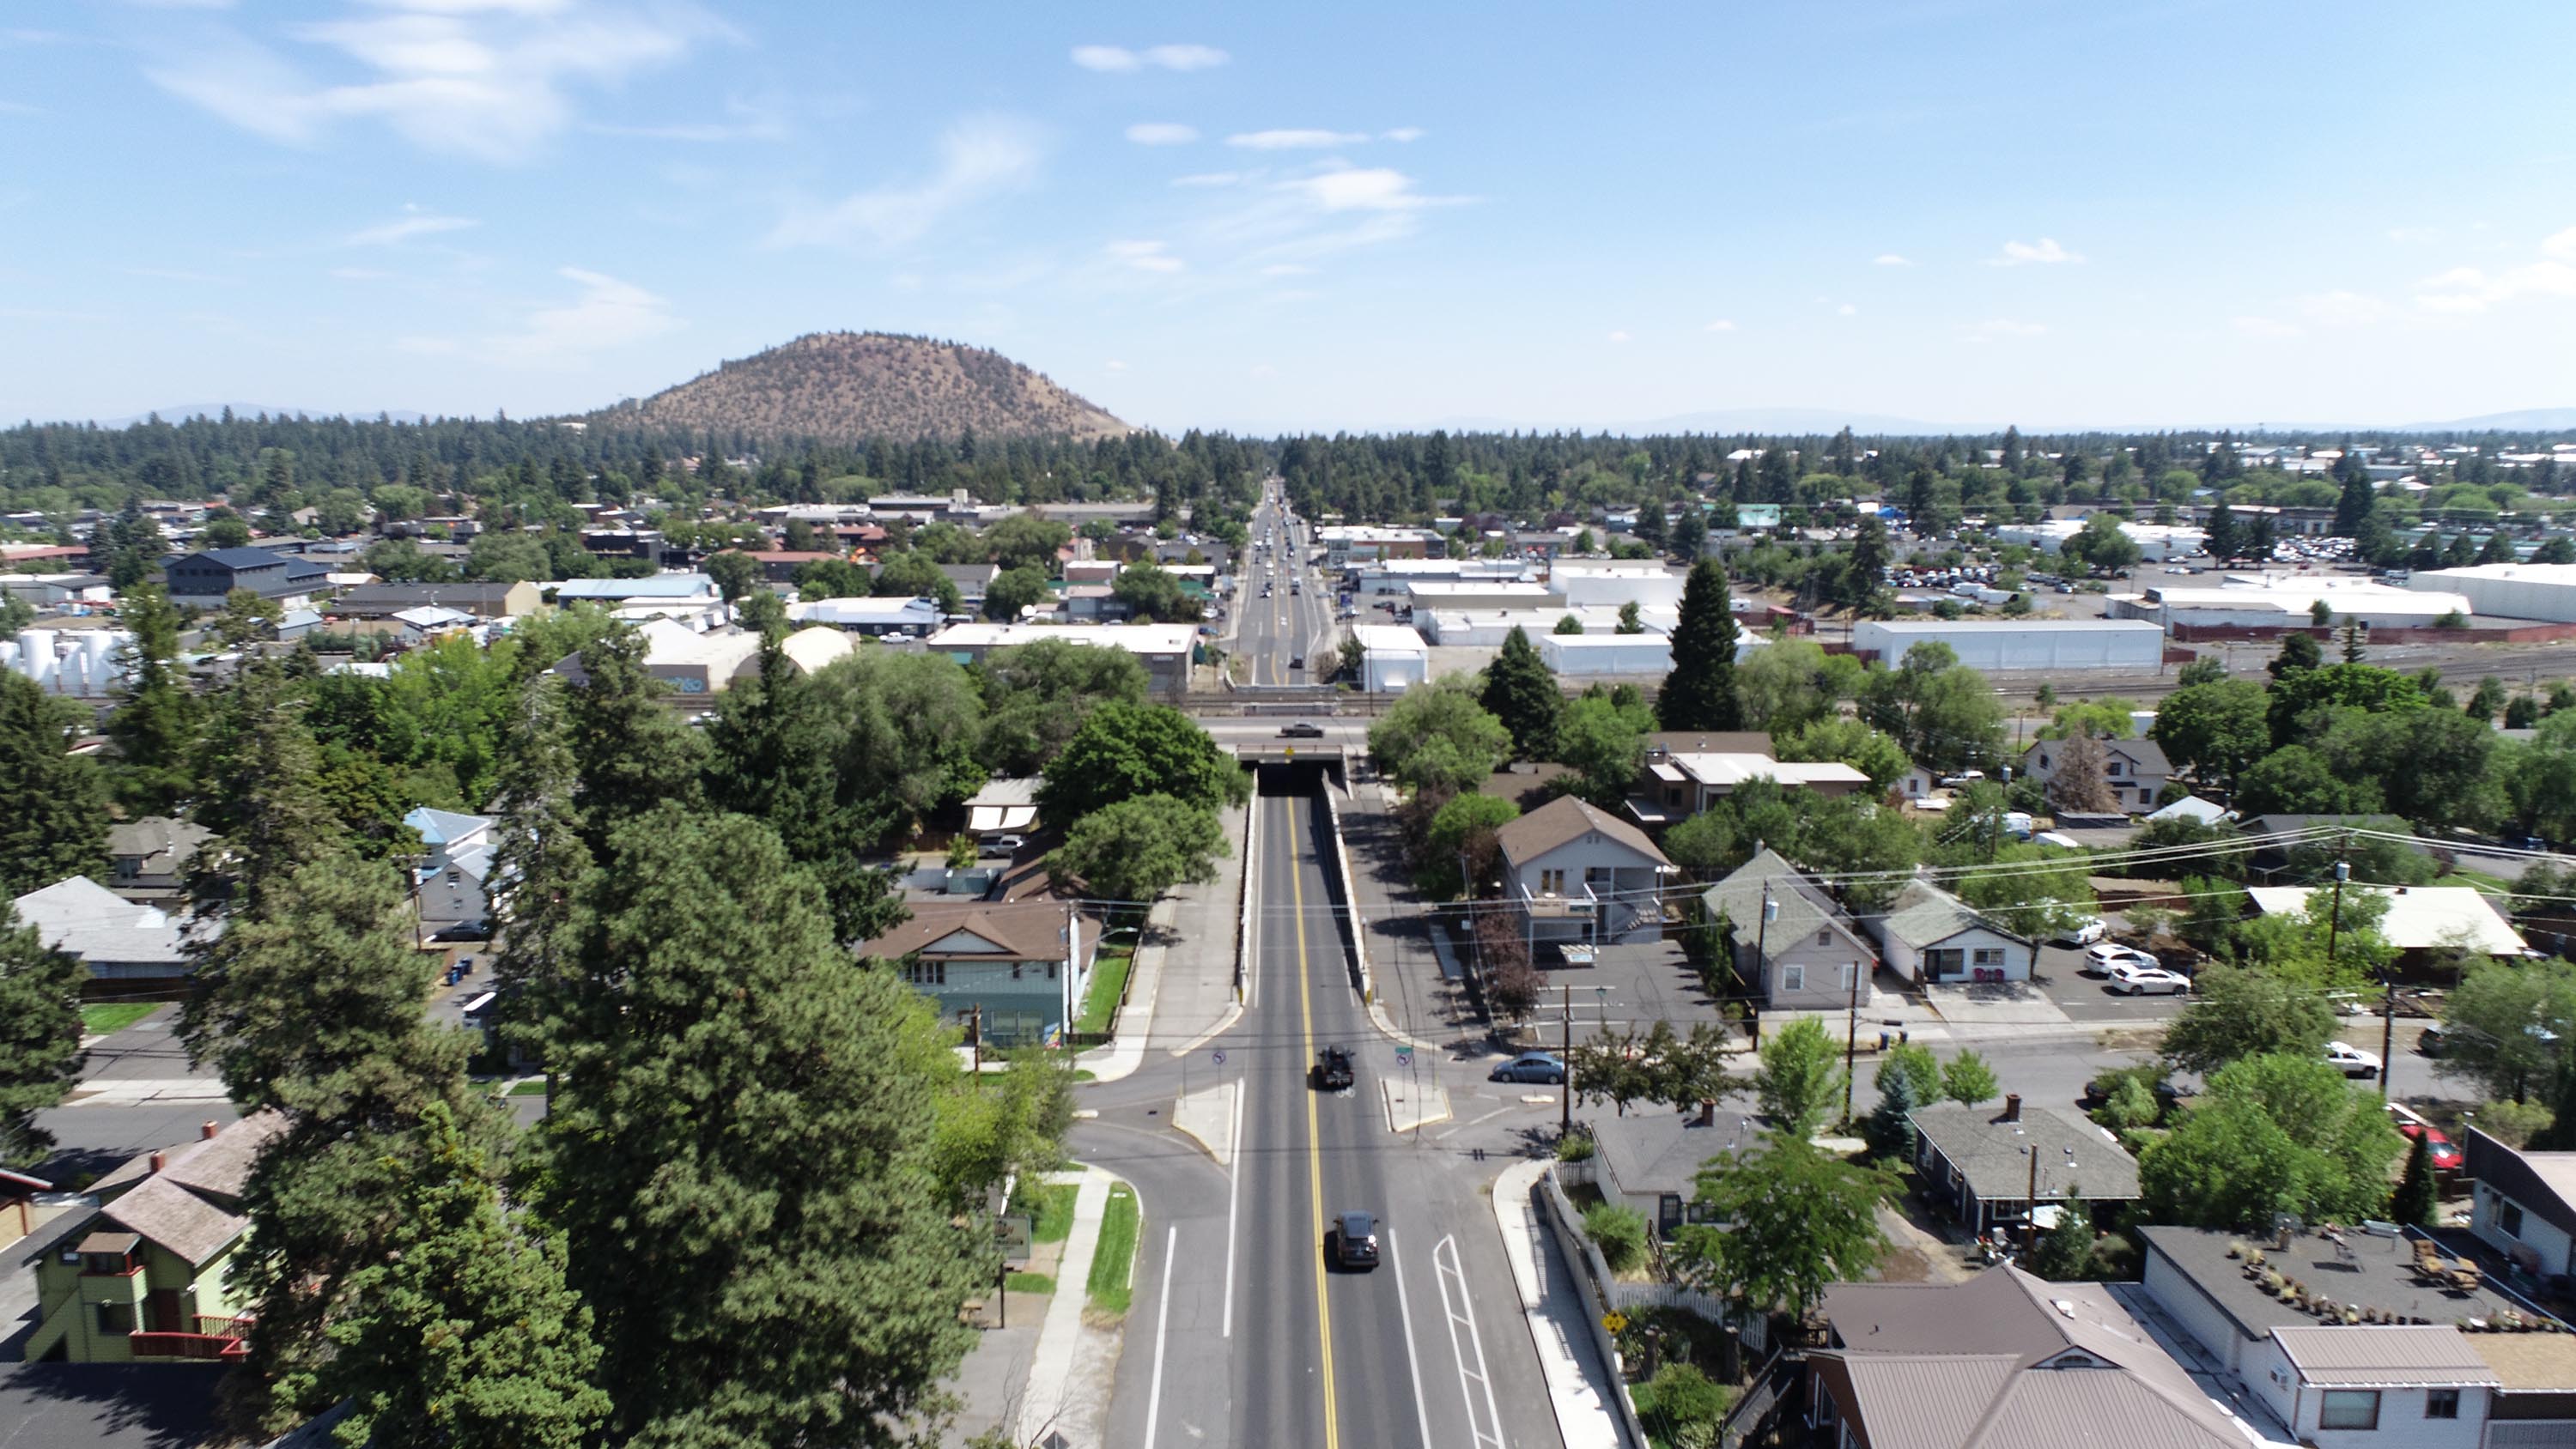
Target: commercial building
2287	601
1390	578
482	600
2128	645
1347	543
1392	658
1613	584
1677	784
1166	650
874	617
697	666
1425	597
2418	919
1452	628
2156	542
656	589
1606	655
84	663
2512	590
203	579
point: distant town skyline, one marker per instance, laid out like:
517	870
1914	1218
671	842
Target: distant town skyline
1957	212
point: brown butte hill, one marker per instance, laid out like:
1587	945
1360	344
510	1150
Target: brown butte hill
851	386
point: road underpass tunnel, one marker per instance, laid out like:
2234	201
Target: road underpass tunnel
1315	793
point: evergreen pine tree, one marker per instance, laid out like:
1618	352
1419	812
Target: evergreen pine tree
156	719
2352	644
40	1029
53	811
2498	549
2226	535
1891	1125
2416	1198
2352	507
630	752
738	1149
2260	540
1861	582
1699	693
1522	693
2298	651
463	1336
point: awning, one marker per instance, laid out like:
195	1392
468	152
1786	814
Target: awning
994	819
114	1245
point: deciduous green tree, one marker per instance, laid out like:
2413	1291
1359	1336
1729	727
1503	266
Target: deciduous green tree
1128	750
1439	736
1604	741
2272	1134
2237	1013
1967	1080
2509	1024
2215	731
1134	850
1037	695
1800	1083
1796	1219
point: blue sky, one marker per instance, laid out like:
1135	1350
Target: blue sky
1321	215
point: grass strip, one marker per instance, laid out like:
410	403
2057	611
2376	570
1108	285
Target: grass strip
1113	1263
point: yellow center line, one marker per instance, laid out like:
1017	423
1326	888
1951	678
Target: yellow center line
1314	1141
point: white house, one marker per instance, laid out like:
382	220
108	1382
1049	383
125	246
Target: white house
1578	874
1929	935
2420	1385
2525	1203
453	880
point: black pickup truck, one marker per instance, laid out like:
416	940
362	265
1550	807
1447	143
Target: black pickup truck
1332	1069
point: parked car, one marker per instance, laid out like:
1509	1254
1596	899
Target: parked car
1001	845
2083	935
1353	1240
2352	1060
1333	1069
1530	1067
1304	729
2446	1154
2102	956
2148	980
2431	1041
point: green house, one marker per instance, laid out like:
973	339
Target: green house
1019	965
145	1278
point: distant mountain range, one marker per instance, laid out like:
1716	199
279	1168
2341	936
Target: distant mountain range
850	386
2528	420
185	411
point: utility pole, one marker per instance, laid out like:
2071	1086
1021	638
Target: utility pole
975	1034
2030	1224
1851	1042
1761	940
1565	1089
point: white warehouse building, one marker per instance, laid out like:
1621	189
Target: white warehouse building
2509	590
2275	600
1392	658
2020	644
1646	585
1487	628
1424	597
2156	542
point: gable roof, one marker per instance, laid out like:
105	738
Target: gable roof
160	842
1802	906
2541	1183
1566	819
1926	915
1989	1152
2007	1361
1023	930
193	1205
446	827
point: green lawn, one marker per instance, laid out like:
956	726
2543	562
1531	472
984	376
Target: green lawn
101	1018
1029	1283
1116	1259
1108	980
532	1087
1050	1209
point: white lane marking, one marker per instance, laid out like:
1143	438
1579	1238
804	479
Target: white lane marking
1233	1189
1404	1310
1458	1310
1162	1322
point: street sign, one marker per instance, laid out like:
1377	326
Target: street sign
1404	1056
1219	1056
1615	1321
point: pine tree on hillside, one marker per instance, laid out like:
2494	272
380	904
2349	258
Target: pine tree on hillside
1699	693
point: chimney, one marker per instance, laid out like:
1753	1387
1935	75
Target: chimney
207	1132
1707	1112
160	1160
2012	1107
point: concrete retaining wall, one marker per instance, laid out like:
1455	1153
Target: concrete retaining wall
1590	1274
1338	878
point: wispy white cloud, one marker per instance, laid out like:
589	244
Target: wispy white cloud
2264	328
2043	252
1372	188
745	121
1144	256
2342	309
1114	365
603	315
1722	324
1618	335
2464	290
978	159
1213	178
414	222
1118	59
1847	310
1162	133
1294	140
1402	134
1890	259
1999	328
486	79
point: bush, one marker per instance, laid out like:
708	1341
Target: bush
2514	1123
1619	1232
1574	1147
1678	1400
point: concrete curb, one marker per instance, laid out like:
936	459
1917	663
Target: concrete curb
1207	1117
1584	1419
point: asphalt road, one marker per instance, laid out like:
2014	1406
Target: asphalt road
1263	1342
1296	620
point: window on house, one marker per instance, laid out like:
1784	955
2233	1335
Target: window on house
1989	956
1849	968
1825	937
1551	882
2441	1403
927	973
116	1318
2349	1409
2115	769
2509	1218
1793	977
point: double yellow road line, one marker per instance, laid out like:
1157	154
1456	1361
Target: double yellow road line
1314	1140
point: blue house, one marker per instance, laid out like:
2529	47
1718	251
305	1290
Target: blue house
1025	964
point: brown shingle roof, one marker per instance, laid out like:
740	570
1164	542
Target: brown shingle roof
1566	818
1021	930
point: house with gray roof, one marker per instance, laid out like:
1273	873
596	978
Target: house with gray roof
1580	874
453	878
2134	771
1930	936
151	856
2525	1204
116	939
1979	1160
1790	939
2421	1385
1648	1159
2001	1361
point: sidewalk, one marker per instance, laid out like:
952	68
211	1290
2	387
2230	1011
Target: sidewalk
1067	1389
1421	993
1578	1383
1184	986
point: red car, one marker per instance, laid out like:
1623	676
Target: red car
2447	1156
